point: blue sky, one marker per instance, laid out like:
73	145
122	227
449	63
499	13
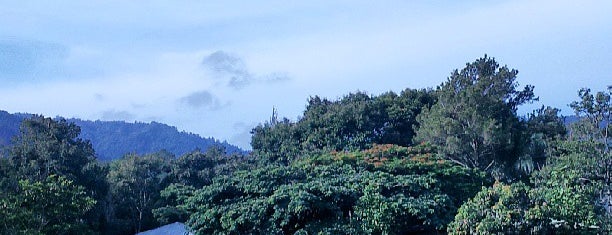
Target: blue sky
216	68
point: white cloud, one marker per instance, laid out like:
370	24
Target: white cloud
233	71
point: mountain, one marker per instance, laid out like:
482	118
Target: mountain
113	139
9	126
568	120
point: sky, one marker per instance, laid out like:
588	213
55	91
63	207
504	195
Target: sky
218	68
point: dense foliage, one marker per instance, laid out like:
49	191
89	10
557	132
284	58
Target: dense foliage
355	122
48	164
501	209
457	160
51	206
384	190
568	195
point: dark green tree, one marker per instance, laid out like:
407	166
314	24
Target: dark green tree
543	129
50	206
387	189
399	112
277	141
568	195
195	169
174	198
135	185
591	134
474	120
355	122
47	147
344	125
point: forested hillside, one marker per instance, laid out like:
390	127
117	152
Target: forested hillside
456	159
9	126
113	139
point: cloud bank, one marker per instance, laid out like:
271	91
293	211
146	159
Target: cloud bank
202	99
233	71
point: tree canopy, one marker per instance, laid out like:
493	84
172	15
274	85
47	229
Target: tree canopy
384	190
457	159
474	120
355	122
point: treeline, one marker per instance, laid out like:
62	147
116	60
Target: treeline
113	139
52	183
457	159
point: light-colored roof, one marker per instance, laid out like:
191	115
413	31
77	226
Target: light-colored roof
176	228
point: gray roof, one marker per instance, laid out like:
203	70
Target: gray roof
176	228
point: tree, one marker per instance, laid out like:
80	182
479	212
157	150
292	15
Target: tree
135	184
501	209
174	198
474	120
399	112
277	141
194	169
51	206
565	194
47	147
357	121
543	129
591	134
569	194
348	124
561	201
596	117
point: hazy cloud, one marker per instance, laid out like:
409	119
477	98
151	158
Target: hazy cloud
233	69
99	97
23	58
202	99
275	77
224	62
230	67
114	115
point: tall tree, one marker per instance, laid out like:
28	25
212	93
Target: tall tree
593	131
570	194
474	120
135	184
51	206
45	146
595	112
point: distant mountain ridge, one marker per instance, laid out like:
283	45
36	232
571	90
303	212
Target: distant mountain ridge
113	139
